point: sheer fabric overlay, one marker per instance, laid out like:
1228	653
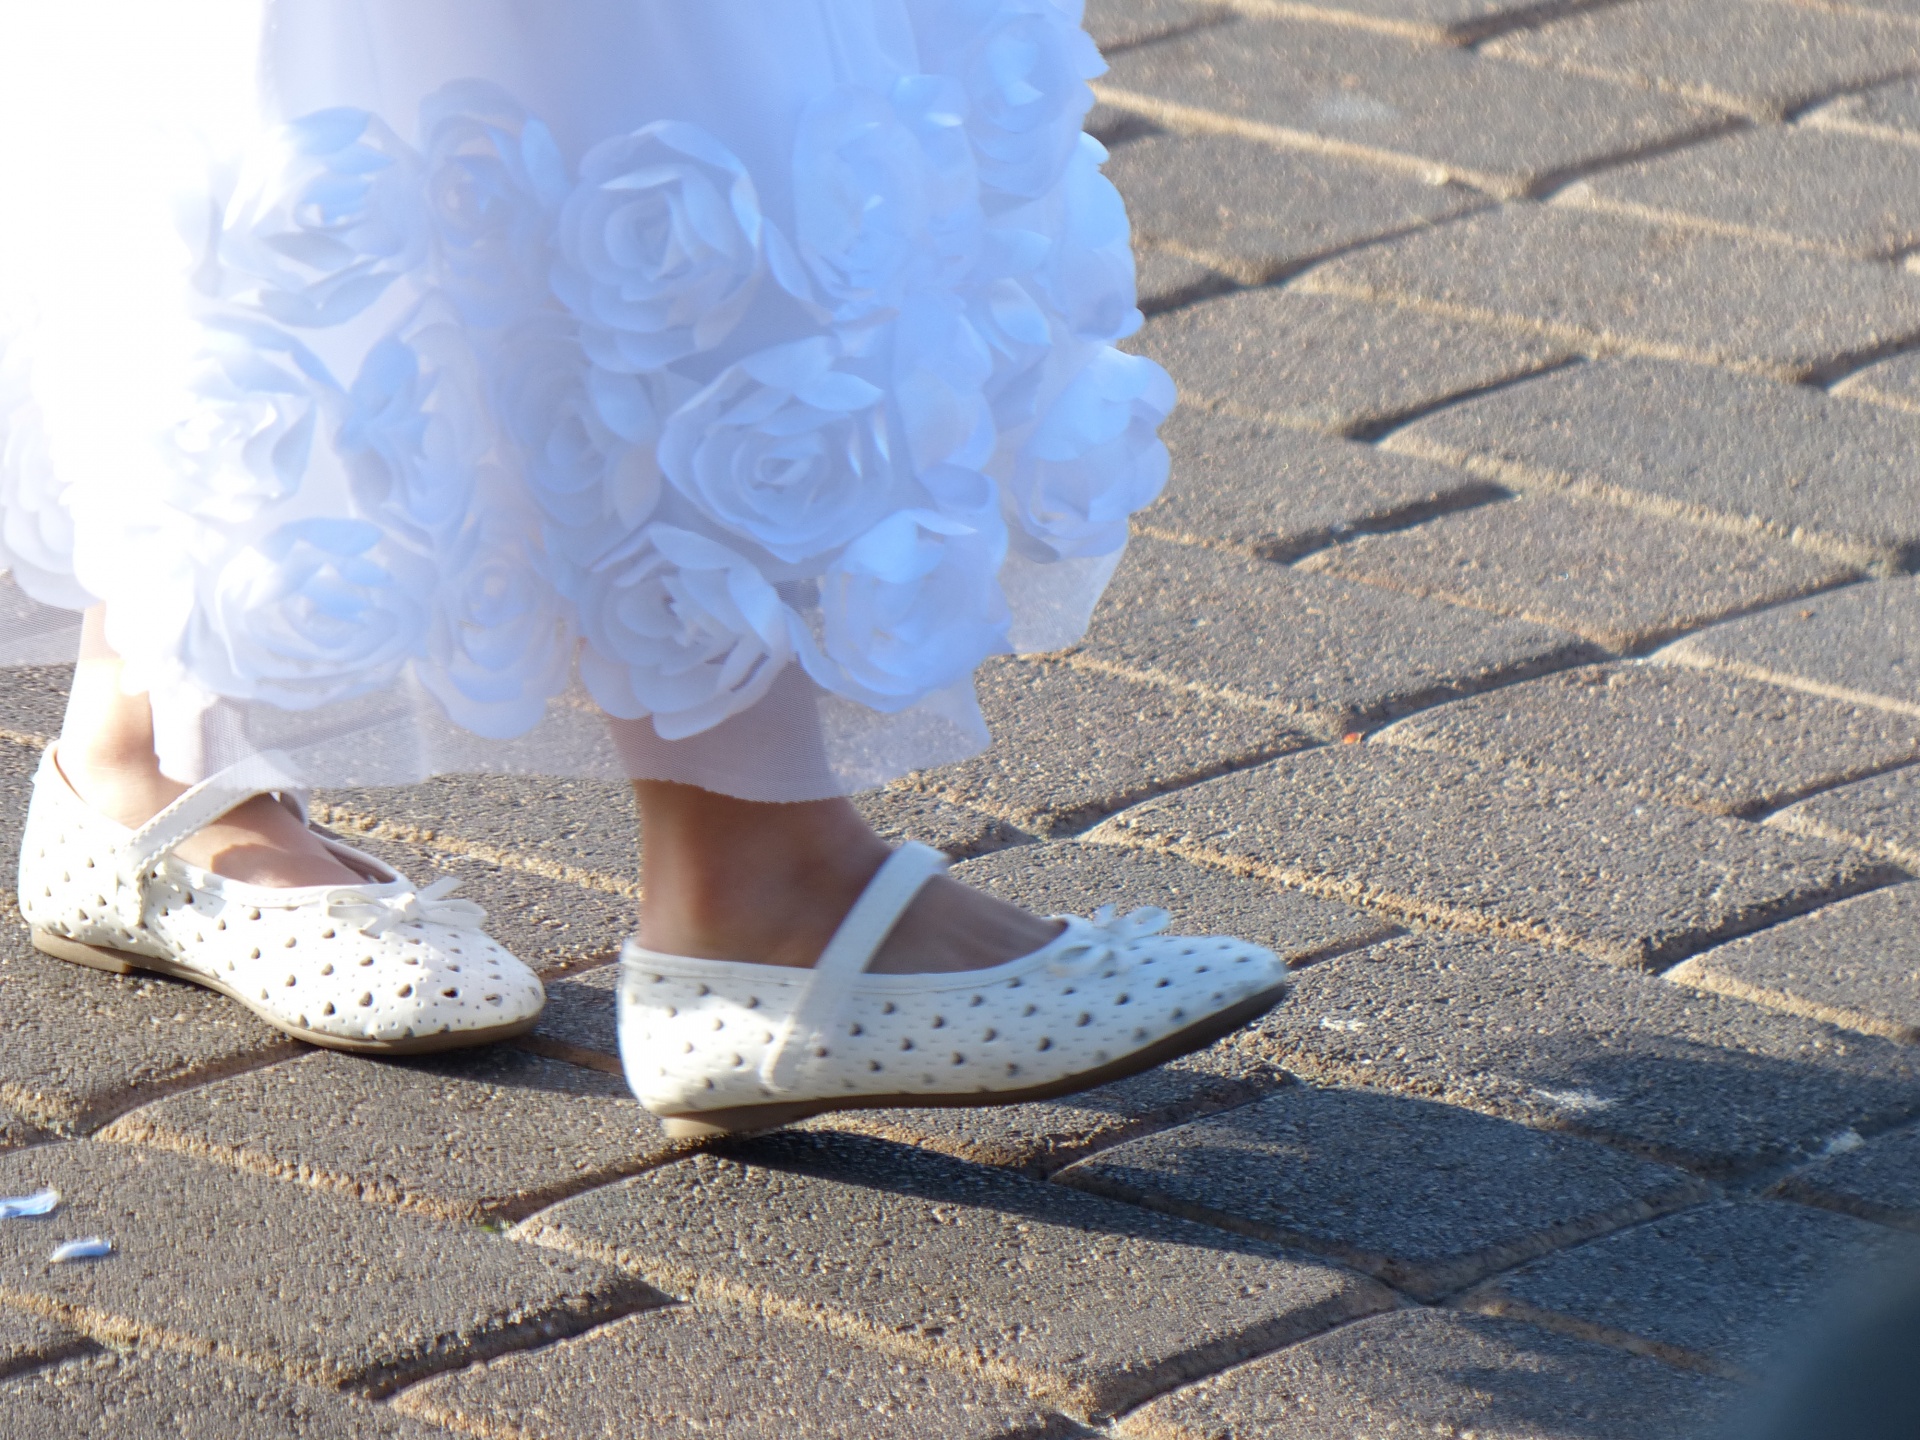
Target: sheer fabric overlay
421	384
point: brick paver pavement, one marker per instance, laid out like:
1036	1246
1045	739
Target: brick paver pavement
1524	647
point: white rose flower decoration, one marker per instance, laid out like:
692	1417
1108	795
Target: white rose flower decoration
940	370
500	645
1089	275
36	527
494	180
885	195
416	427
257	398
326	218
586	436
660	246
315	612
681	628
911	607
1093	459
1025	66
786	449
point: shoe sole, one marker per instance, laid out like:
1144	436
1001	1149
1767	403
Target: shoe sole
122	962
752	1119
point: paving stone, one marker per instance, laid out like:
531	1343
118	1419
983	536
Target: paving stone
496	1134
1877	1179
959	1264
1621	578
316	1287
1753	56
1725	1286
1880	816
1790	184
702	1371
1427	1197
36	704
1700	739
1258	213
1315	362
28	1342
1894	382
1279	494
1436	1372
1885	112
1185	615
1072	746
1724	450
552	925
1167	279
1119	24
1703	1081
81	1046
580	1023
1436	111
1855	964
1455	22
899	813
1479	846
1615	283
186	1398
1860	644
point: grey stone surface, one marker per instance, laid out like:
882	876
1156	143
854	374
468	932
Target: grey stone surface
1614	283
968	1266
1118	24
1727	450
1436	1372
319	1288
1884	112
1790	184
1341	367
1071	746
1877	1179
1860	644
1280	494
1855	964
1880	816
1434	21
1427	1197
1703	1081
1167	278
1724	1286
899	813
579	1023
1753	56
1185	615
1478	846
81	1046
1621	578
1256	212
1894	381
701	1371
495	1134
29	1341
177	1397
36	700
1426	109
1707	741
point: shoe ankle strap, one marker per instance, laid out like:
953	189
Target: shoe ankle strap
269	773
899	879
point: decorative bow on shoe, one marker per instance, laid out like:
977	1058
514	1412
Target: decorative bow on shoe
376	914
1107	939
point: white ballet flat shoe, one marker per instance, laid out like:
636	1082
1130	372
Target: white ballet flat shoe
718	1047
379	968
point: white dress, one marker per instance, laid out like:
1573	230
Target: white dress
420	383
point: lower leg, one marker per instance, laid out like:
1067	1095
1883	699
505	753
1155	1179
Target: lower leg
735	879
106	752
